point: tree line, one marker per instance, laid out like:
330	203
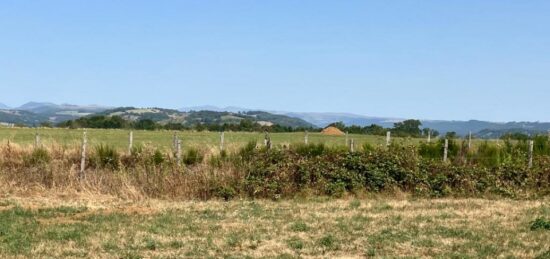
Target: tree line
117	122
407	128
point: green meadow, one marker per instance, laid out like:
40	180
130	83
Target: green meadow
163	139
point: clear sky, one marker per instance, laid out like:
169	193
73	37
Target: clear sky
424	59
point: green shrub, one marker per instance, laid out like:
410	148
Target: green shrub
328	242
299	226
157	158
226	192
336	189
107	157
310	150
192	157
368	147
540	223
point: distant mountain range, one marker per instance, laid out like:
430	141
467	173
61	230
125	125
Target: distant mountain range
33	113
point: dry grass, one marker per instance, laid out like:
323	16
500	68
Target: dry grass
85	225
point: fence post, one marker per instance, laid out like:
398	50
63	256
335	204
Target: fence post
306	140
267	140
175	141
352	146
130	142
429	136
470	141
445	150
178	151
222	140
83	155
36	140
388	138
531	144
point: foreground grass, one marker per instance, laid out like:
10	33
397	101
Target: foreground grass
380	227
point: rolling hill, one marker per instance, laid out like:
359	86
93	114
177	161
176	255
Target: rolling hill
33	113
204	117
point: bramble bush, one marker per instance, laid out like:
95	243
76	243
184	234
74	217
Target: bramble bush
313	169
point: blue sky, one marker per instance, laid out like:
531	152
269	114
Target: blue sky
459	60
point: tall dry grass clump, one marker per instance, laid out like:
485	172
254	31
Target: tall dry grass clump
145	172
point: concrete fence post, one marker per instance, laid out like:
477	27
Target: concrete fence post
83	155
130	142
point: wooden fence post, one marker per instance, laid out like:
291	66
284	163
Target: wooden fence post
178	151
36	140
470	141
222	140
130	142
83	155
306	140
352	146
445	150
531	144
267	140
388	138
175	141
429	136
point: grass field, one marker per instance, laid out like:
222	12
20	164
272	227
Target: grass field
102	227
163	139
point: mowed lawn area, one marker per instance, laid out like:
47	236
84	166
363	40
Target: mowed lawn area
320	228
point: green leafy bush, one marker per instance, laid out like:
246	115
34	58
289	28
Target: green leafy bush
107	157
540	223
192	157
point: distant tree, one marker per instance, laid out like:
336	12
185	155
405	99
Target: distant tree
451	135
434	133
339	125
146	124
408	128
374	129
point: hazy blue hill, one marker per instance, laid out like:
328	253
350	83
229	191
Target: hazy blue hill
3	106
323	119
21	117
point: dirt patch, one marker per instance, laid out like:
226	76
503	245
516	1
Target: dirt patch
332	131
